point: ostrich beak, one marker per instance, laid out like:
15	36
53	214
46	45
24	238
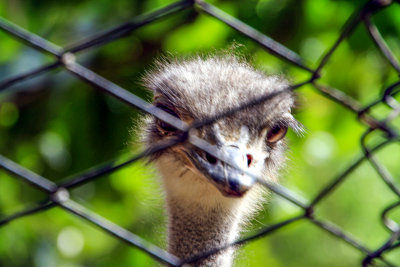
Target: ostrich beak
232	179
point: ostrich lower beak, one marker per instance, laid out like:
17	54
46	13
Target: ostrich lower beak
230	177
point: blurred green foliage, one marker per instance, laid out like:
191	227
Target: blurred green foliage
56	125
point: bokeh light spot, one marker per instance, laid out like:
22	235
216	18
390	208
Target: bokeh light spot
70	242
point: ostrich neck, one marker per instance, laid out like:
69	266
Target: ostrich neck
200	218
194	230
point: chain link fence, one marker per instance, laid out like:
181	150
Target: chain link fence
64	57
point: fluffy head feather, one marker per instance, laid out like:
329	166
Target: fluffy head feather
202	87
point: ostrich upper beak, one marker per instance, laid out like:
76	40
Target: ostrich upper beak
229	176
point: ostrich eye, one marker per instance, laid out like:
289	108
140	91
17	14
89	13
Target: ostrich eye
276	133
163	125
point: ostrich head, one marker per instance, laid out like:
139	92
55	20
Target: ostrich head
208	199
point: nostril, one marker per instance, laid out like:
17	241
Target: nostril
211	159
249	159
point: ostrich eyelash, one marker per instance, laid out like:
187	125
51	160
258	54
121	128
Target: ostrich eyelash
166	127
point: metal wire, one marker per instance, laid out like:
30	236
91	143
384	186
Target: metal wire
58	194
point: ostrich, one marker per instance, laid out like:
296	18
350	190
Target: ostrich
208	201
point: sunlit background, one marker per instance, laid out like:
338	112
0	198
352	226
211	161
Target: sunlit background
57	125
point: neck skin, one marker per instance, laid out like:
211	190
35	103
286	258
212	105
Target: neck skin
200	218
195	230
